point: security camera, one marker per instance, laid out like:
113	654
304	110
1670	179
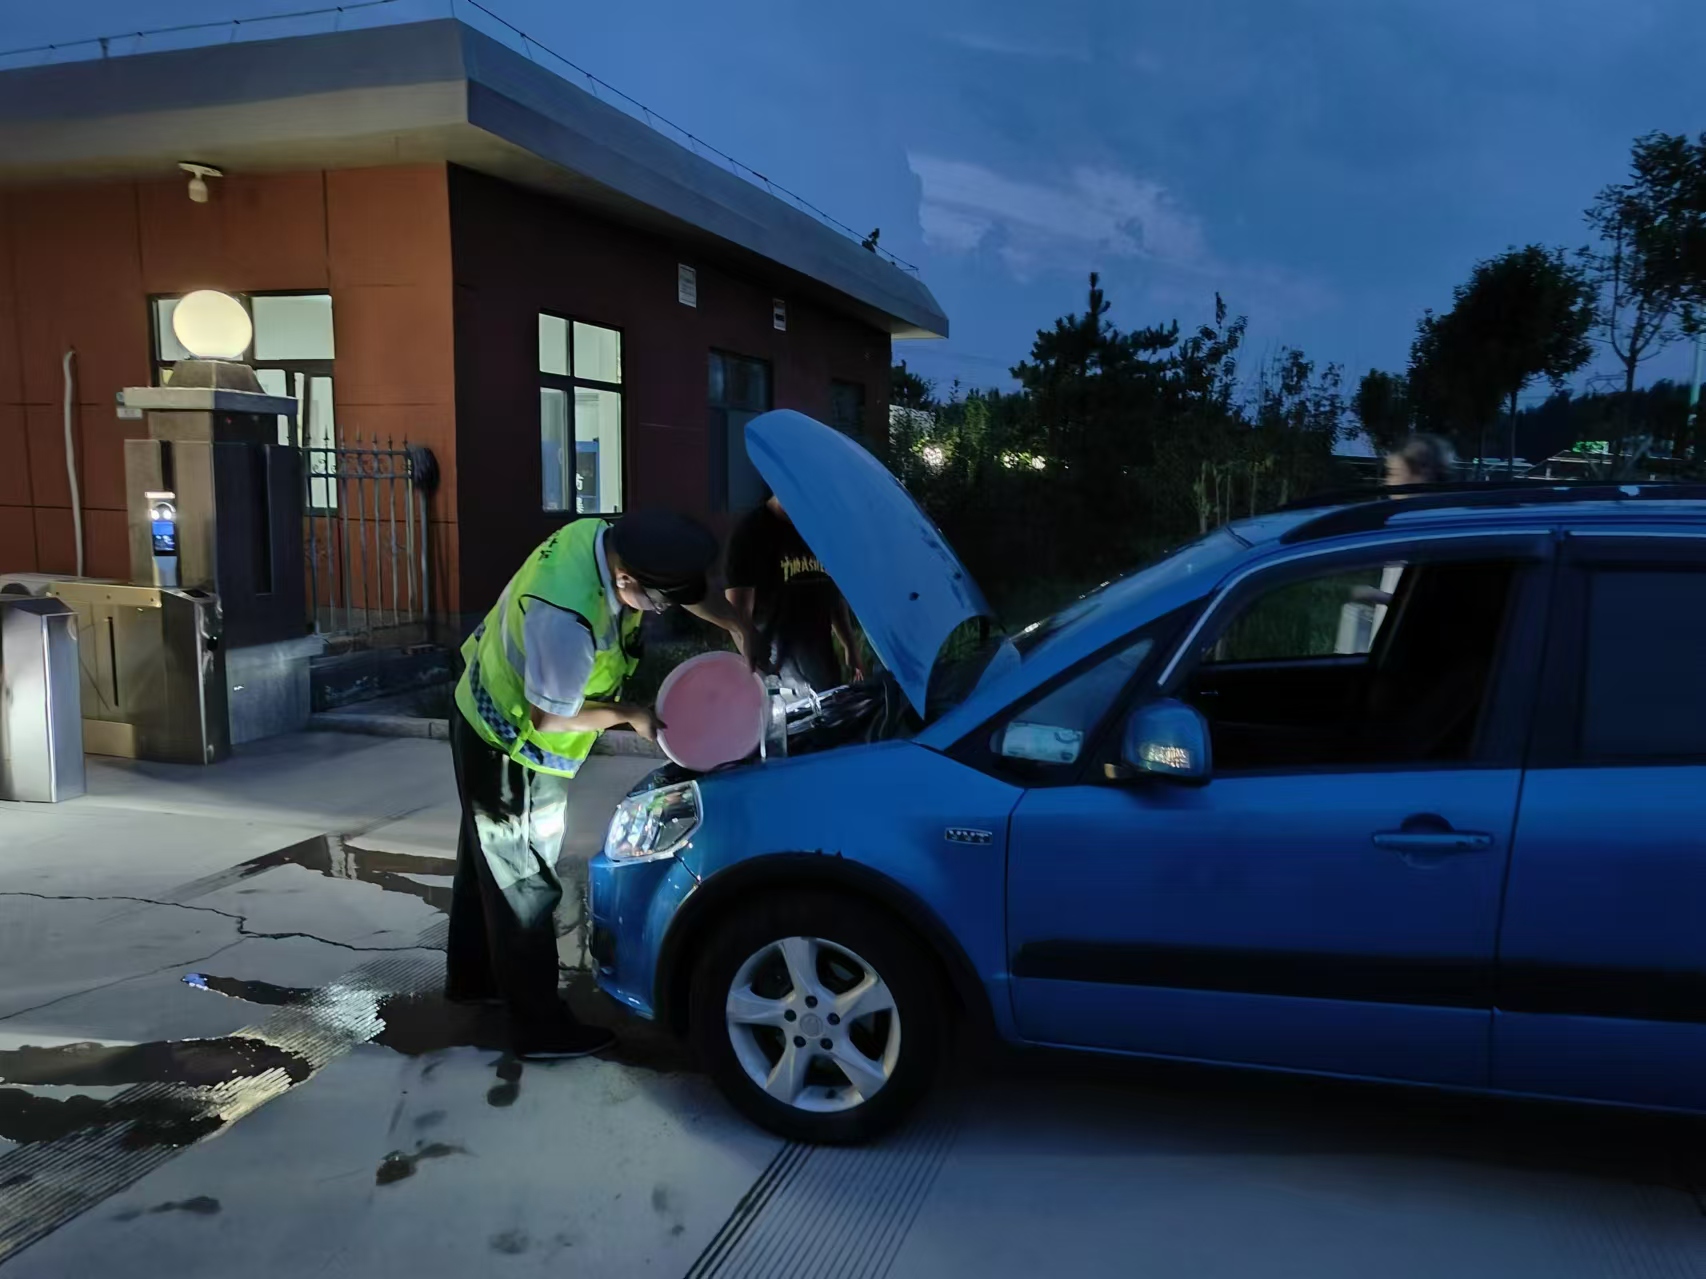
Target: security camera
199	174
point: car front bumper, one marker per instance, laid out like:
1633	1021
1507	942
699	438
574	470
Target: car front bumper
632	904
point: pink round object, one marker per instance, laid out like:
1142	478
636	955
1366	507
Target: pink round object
713	709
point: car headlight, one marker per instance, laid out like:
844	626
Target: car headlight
653	824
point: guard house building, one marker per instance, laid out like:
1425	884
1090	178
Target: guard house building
439	241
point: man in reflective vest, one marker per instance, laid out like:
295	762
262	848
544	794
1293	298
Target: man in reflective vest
543	679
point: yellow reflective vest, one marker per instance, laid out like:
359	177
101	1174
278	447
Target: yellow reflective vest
491	694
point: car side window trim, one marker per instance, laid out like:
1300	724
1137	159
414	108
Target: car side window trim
1515	677
1313	561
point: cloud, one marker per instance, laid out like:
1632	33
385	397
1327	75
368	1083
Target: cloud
1092	218
1033	225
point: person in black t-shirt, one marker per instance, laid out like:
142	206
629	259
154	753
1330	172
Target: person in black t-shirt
777	585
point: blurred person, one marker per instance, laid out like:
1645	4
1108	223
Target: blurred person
1422	459
777	585
543	678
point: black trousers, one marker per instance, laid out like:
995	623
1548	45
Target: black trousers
503	908
806	664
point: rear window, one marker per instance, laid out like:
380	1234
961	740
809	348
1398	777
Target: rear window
1644	686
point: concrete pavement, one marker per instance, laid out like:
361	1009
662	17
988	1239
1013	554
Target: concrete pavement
359	1126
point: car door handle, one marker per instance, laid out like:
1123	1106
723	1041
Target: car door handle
1433	842
1424	837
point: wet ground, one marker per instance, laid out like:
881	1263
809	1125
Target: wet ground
222	1051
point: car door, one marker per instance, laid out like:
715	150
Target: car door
1309	908
1602	956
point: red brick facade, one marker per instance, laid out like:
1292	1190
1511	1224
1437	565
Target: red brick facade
437	276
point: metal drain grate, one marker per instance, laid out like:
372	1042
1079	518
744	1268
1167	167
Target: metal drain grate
831	1210
49	1183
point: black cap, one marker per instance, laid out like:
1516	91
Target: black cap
666	552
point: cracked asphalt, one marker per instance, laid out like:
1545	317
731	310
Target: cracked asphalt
222	1051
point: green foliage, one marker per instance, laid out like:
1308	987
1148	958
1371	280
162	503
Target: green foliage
1383	408
1650	260
1296	621
1521	315
1658	412
908	390
1118	445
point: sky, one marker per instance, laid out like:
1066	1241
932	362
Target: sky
1331	167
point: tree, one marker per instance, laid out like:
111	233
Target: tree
1382	406
1298	419
1117	444
908	390
1096	396
1650	262
1449	387
1521	315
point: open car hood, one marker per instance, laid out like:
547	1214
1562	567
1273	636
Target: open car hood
903	582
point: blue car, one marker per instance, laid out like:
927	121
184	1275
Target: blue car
1407	788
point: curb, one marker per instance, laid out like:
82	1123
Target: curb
618	741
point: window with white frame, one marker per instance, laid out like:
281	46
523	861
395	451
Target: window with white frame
580	416
292	354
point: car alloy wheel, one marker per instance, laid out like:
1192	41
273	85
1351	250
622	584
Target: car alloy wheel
819	1015
813	1024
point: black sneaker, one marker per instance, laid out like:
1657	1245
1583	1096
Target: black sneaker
562	1041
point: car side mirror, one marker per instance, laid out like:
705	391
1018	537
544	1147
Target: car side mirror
1165	739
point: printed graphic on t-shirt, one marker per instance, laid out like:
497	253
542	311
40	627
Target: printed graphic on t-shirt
803	566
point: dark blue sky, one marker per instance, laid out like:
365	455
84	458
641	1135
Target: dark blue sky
1331	166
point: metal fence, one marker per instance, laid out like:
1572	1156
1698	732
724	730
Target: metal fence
367	538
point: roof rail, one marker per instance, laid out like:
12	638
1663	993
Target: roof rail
1374	509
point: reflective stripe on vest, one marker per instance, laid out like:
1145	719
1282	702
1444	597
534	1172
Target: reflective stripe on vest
563	573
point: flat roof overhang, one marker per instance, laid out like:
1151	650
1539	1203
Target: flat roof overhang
428	92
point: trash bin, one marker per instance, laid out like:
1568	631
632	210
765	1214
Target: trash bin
41	717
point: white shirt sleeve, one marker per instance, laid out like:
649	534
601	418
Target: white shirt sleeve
559	657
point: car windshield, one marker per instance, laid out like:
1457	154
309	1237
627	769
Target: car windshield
979	660
1202	558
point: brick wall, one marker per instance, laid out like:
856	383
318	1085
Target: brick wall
78	262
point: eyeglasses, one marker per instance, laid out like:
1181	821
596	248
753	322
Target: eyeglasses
660	602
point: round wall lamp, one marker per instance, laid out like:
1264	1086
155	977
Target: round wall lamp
212	325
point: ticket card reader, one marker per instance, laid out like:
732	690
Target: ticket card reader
163	536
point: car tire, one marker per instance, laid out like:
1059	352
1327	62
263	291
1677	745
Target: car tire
757	948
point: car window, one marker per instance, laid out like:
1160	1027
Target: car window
1055	728
1322	617
1644	685
1418	696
